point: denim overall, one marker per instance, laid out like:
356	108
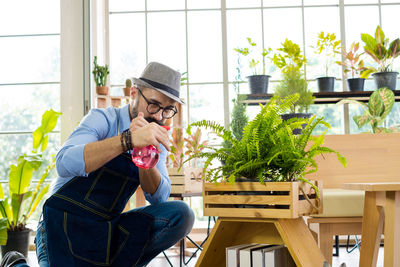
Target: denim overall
84	224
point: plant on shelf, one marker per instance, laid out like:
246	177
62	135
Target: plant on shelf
177	145
354	65
383	53
268	151
128	86
290	60
258	83
328	46
100	74
239	118
194	144
22	198
379	105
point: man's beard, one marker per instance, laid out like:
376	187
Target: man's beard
148	119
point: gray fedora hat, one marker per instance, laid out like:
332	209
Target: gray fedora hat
161	78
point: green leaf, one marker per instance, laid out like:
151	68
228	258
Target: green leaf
3	231
39	197
362	120
21	174
1	192
375	104
5	210
44	143
16	205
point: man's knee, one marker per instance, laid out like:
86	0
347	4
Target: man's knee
184	215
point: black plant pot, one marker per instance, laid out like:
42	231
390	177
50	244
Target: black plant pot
355	84
289	116
17	241
385	79
326	84
258	84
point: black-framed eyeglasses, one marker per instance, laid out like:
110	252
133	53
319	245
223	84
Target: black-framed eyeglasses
153	108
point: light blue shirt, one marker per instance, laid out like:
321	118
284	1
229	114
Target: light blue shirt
100	124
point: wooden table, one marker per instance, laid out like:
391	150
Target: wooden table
381	206
294	233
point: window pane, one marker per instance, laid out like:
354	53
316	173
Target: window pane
127	47
360	2
167	39
240	25
205	57
195	4
390	27
282	3
30	59
275	36
333	114
22	106
360	19
321	3
14	145
29	17
328	22
206	103
165	5
241	3
126	5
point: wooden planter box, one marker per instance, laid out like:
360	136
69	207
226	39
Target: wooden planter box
187	180
254	200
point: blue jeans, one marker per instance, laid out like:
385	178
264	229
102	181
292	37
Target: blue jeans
173	221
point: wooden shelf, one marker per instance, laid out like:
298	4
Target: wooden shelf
320	98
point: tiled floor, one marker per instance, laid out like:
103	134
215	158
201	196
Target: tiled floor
351	259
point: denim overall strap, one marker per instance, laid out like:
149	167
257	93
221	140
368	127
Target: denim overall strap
84	224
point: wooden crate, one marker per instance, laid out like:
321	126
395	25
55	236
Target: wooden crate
254	200
187	180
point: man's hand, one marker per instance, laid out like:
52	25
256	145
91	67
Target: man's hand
144	133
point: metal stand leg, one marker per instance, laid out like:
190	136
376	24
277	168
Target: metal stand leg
336	254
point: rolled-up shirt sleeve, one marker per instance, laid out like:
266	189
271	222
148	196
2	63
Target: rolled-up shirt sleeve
69	159
164	188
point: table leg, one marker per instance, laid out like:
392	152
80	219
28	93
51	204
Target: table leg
300	243
392	229
372	227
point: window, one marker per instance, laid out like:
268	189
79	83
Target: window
194	36
30	75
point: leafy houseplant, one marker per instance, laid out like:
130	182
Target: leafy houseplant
379	106
382	52
290	60
329	46
100	74
18	206
354	65
258	83
268	151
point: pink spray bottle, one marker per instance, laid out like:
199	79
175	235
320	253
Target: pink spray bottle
146	157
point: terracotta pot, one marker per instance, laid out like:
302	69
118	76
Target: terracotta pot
102	90
127	91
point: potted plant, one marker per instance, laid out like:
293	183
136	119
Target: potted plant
268	151
18	205
258	83
382	52
100	74
185	179
127	88
328	46
379	105
354	65
290	60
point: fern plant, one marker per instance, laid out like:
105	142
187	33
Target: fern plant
268	150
